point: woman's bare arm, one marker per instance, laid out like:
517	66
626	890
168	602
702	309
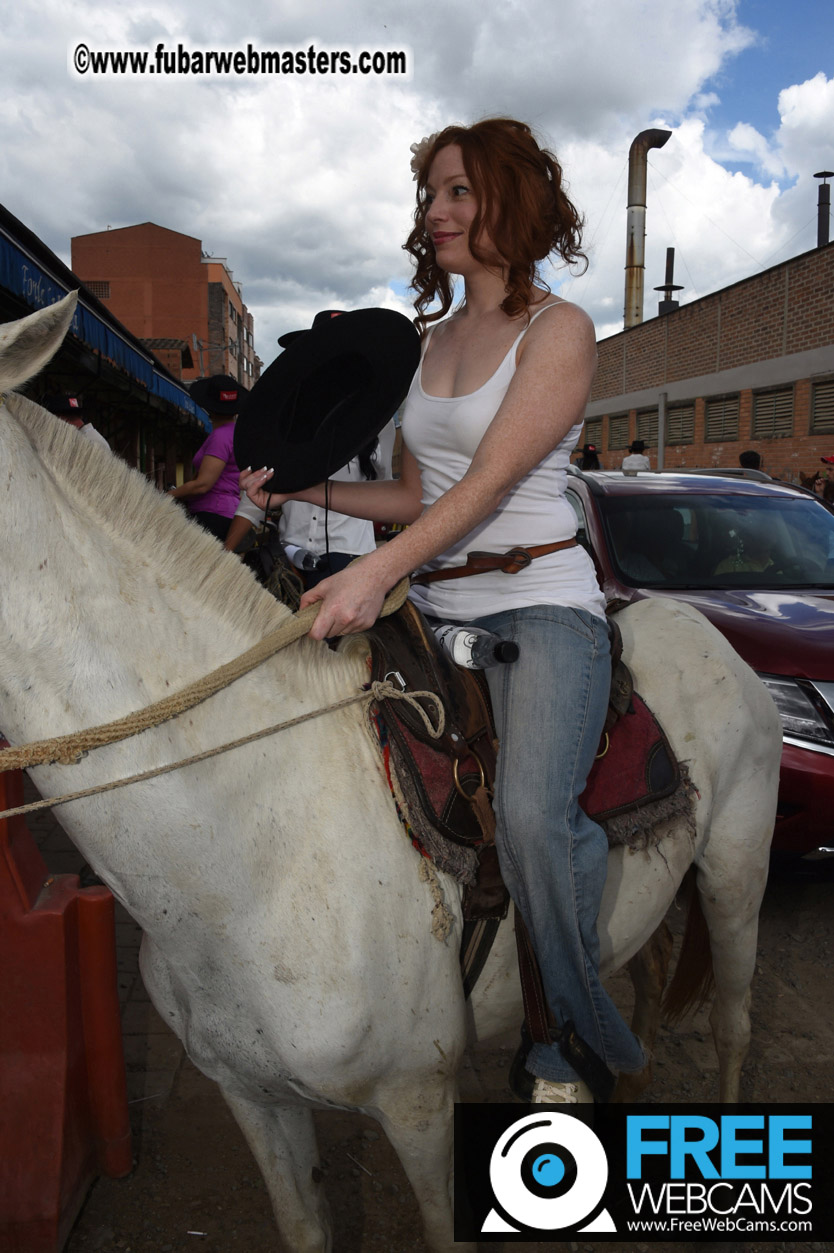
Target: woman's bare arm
210	470
378	500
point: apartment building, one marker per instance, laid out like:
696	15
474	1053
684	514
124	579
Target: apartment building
181	302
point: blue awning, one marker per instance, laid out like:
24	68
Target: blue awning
22	275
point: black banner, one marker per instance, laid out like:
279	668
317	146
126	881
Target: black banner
644	1172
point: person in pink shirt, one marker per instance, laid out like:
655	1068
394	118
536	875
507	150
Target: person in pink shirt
214	494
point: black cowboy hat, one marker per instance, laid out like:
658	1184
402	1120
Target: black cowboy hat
327	396
287	338
219	393
637	446
63	404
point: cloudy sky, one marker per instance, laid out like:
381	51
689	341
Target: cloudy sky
303	183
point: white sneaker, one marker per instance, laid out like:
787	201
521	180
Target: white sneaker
552	1092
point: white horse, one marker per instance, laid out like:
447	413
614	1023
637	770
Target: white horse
287	928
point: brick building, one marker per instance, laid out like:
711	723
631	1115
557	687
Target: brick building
183	304
750	366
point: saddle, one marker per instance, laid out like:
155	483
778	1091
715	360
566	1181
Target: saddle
443	786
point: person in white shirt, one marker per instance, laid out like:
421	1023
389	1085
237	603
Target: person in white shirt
637	460
69	409
333	537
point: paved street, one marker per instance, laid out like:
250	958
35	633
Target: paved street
195	1181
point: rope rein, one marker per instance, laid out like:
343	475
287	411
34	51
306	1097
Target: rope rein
376	692
69	749
66	750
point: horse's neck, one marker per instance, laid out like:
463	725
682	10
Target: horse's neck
112	596
112	599
101	616
93	627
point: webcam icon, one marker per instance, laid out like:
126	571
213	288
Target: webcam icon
548	1172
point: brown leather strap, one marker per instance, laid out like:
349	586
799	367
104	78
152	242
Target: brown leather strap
510	562
536	1011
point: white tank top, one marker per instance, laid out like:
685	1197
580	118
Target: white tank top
443	434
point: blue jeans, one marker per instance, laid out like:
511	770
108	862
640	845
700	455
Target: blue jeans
550	707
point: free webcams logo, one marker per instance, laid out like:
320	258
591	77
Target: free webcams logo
739	1171
548	1171
656	1172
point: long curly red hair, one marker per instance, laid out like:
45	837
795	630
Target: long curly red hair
521	201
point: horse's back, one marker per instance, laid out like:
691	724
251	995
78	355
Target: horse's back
722	724
701	690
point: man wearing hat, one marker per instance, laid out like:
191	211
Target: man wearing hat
588	458
637	459
70	409
213	495
828	481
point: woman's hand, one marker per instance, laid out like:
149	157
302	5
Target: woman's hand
349	601
252	482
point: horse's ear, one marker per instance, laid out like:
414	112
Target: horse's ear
27	345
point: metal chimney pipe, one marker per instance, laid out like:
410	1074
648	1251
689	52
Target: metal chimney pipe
636	222
669	305
823	208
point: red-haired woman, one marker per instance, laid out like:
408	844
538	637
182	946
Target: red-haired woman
493	414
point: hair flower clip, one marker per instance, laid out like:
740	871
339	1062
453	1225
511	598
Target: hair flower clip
421	151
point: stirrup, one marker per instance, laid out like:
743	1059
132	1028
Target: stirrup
520	1079
555	1092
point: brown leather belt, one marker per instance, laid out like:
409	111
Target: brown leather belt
509	562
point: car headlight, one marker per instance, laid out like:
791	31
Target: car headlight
802	709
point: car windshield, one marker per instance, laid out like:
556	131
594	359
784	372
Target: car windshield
720	540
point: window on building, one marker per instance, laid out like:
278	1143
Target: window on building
100	288
680	424
721	419
593	432
647	427
618	431
822	408
232	314
773	414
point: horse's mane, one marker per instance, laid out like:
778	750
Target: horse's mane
124	502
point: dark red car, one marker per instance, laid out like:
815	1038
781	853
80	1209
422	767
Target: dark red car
757	558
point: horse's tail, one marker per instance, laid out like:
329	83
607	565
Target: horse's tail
693	979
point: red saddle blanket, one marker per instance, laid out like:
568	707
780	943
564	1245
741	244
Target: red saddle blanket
635	771
442	788
635	766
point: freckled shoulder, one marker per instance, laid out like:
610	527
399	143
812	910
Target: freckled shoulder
570	325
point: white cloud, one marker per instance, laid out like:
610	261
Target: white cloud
747	141
303	184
